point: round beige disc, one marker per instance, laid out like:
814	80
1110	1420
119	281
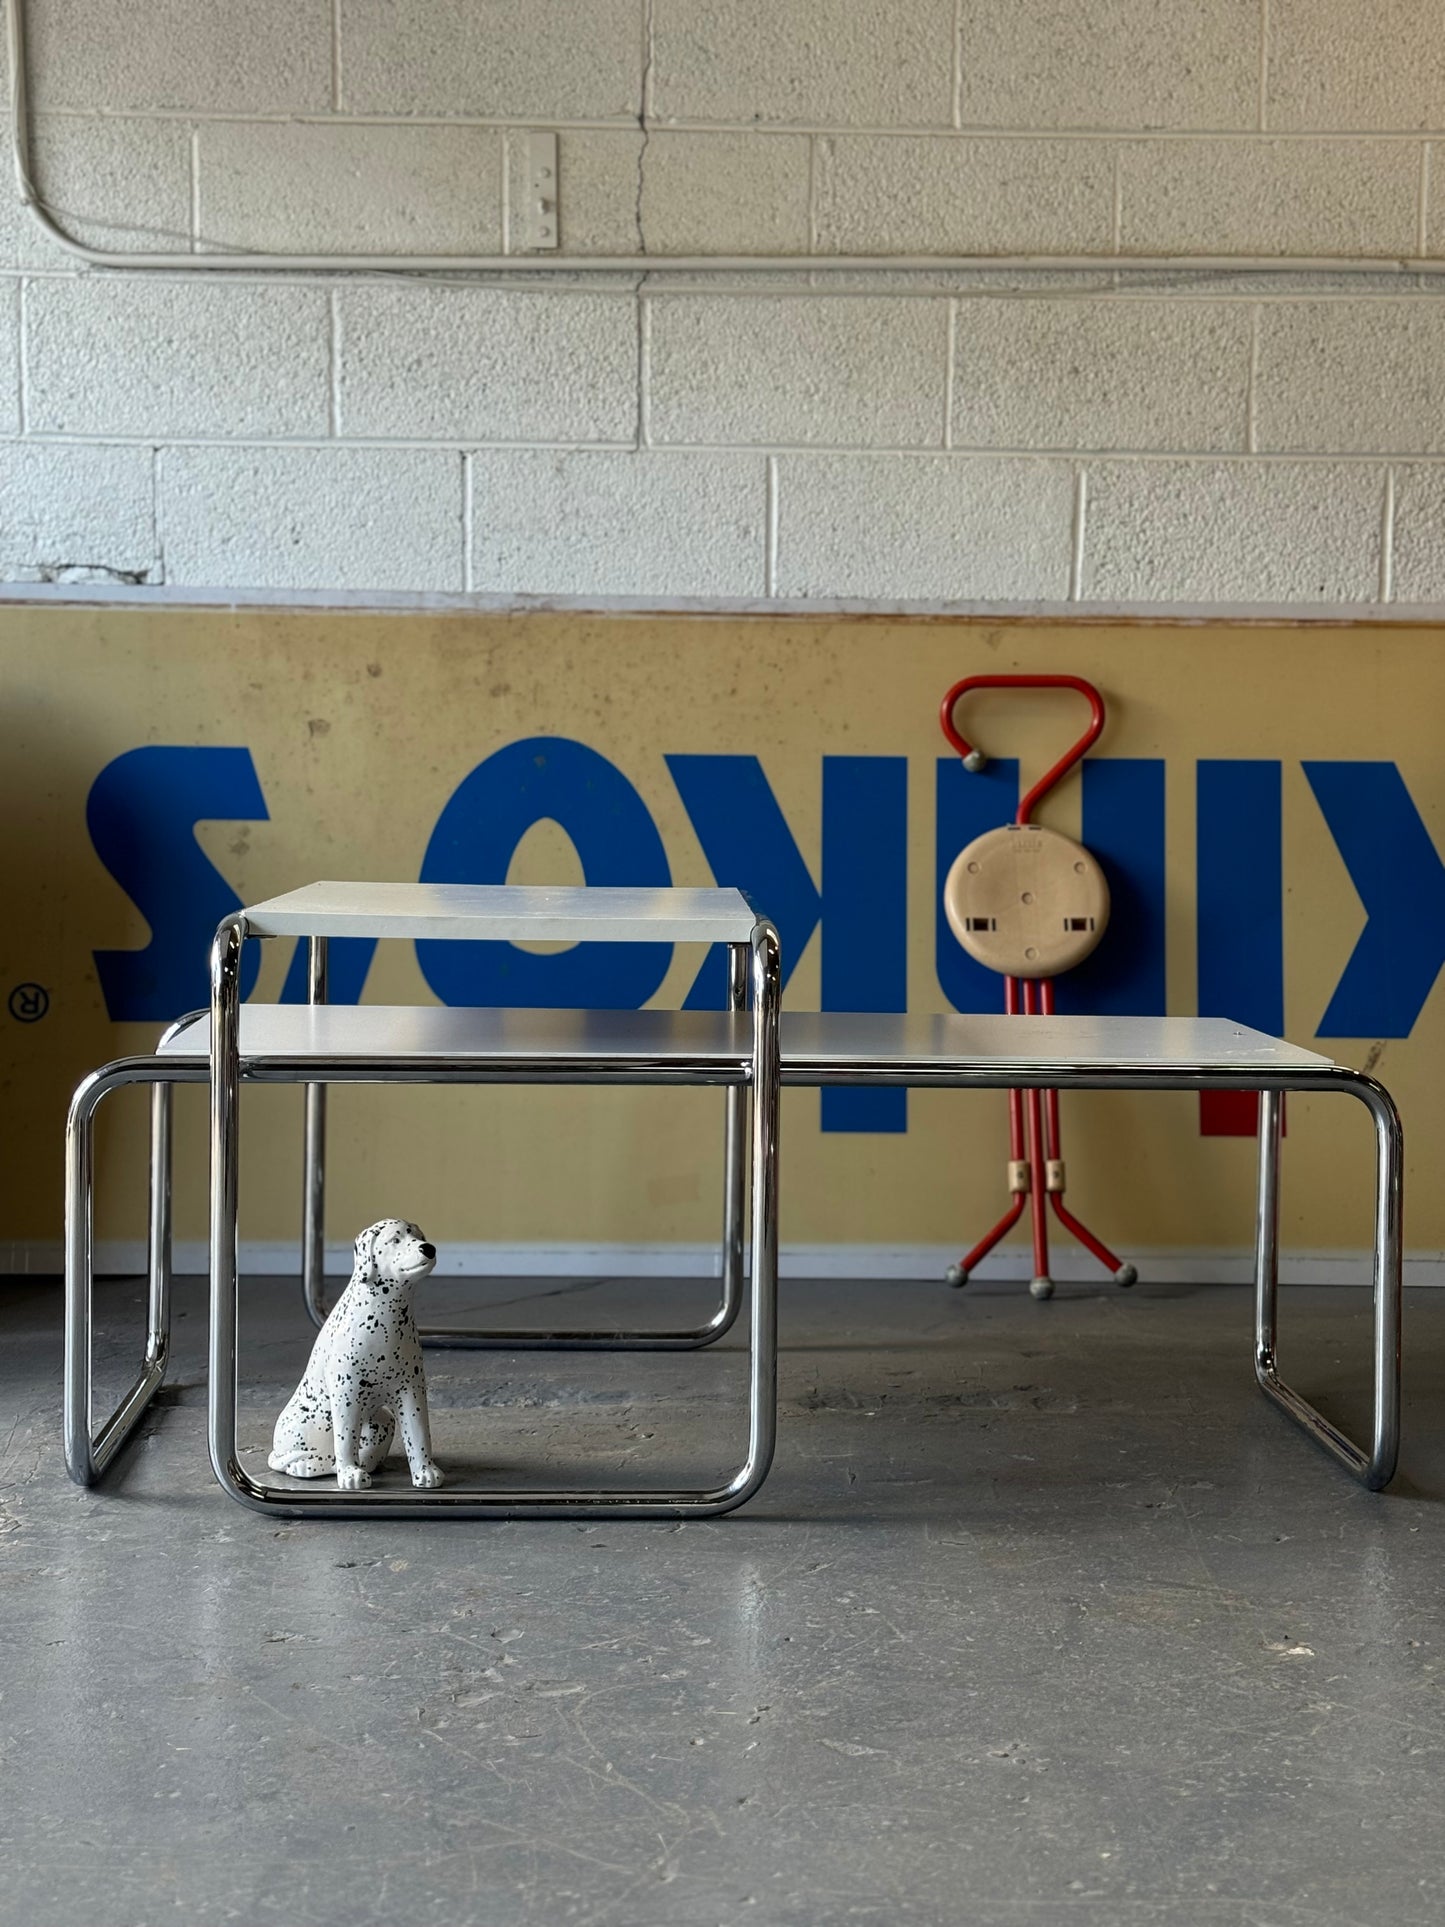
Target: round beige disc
1026	901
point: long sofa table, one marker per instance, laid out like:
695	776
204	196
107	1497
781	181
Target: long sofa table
746	1051
1155	1054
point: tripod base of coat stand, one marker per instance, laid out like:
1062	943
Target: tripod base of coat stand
1034	1144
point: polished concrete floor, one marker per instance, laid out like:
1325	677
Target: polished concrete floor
1043	1617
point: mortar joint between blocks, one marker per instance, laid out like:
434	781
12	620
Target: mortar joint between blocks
642	437
770	536
1251	392
22	350
957	88
468	522
1076	555
1422	227
950	357
157	537
336	56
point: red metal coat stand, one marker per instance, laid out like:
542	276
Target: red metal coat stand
1035	1143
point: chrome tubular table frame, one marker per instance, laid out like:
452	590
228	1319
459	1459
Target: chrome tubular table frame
923	1053
464	1338
937	1053
1376	1467
89	1454
757	1073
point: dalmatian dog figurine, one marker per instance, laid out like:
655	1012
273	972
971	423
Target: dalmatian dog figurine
365	1372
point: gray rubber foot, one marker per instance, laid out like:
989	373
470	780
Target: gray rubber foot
1125	1276
1041	1288
956	1276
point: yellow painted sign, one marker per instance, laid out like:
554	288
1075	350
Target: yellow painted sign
1268	804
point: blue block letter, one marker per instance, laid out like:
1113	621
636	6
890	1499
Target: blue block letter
1239	844
968	803
142	813
1401	880
1123	827
546	778
862	904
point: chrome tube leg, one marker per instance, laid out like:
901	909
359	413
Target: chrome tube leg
313	1229
89	1454
1375	1467
735	1163
1266	1238
158	1328
1388	1278
763	1381
225	1181
79	1282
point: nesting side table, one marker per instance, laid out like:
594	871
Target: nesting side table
317	1045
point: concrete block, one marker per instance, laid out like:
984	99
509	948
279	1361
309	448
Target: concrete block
111	355
459	364
1108	374
1129	64
251	56
701	193
114	184
830	63
725	194
1241	531
343	188
1347	377
67	508
1342	65
603	522
1419	552
924	528
1269	197
781	369
312	518
896	194
542	60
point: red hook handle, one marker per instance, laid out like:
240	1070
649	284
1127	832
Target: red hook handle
975	759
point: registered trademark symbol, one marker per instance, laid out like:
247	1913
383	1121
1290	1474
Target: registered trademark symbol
29	1003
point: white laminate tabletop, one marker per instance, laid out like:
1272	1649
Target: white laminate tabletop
344	1032
505	912
815	1048
829	1040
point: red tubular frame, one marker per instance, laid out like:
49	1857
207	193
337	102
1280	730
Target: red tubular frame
1016	1151
1061	1211
1065	763
1033	1115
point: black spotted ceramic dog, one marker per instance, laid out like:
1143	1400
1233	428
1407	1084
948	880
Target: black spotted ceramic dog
365	1372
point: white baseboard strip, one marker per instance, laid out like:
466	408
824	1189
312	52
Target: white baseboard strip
37	1258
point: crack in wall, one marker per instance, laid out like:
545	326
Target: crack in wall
644	121
640	436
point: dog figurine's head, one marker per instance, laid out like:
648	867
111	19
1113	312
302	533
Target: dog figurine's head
392	1254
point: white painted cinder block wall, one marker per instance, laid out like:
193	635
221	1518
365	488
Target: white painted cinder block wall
997	439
